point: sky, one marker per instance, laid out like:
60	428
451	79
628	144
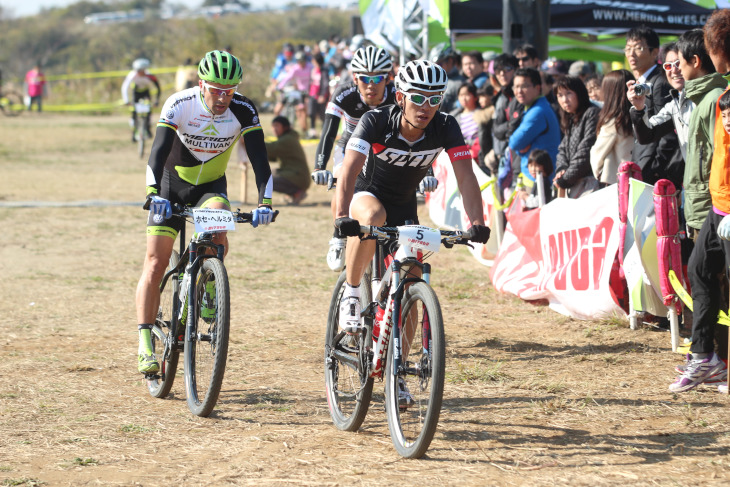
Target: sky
21	8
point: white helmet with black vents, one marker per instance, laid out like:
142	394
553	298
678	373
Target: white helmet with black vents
371	59
421	75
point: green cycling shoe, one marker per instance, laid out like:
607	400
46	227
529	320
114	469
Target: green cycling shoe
147	364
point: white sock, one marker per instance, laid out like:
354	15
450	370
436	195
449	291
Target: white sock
351	291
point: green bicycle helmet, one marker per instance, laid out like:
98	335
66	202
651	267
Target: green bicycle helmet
220	67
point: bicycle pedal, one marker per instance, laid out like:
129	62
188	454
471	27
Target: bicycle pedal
152	376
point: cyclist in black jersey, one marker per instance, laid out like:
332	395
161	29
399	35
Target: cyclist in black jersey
370	87
198	129
389	153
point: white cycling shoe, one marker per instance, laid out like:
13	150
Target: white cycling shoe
336	254
350	314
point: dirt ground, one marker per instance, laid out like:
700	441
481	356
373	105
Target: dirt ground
531	397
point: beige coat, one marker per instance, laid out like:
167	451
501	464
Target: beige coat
609	151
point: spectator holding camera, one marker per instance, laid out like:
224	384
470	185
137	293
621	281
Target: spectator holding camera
674	116
642	52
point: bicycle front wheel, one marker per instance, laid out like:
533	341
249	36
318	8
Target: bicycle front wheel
349	387
413	394
162	339
12	104
206	342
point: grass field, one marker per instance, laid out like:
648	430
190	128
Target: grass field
531	397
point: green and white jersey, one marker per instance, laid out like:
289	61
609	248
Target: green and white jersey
204	142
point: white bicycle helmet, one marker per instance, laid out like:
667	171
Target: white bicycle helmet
421	75
371	59
140	64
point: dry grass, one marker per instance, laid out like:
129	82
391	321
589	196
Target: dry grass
532	398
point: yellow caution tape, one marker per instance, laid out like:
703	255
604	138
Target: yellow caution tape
722	317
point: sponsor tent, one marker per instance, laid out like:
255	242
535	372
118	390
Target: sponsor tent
592	30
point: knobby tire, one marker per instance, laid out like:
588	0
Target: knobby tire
412	428
206	343
162	335
348	389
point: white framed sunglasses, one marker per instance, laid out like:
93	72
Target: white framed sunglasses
419	99
668	66
215	91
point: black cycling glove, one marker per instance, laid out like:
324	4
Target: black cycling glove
349	227
479	233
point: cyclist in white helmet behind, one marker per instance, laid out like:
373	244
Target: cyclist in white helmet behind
196	133
388	155
370	88
142	84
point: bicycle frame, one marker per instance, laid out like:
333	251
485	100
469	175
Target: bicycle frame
190	260
392	280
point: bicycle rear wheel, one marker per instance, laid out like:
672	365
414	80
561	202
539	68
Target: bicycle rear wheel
206	343
141	139
414	394
162	335
12	104
349	389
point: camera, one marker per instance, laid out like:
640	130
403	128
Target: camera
642	89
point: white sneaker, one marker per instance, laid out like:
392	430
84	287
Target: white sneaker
350	314
336	254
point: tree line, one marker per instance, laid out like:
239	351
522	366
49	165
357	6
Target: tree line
63	44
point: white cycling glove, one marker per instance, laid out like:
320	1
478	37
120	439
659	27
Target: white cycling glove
723	229
322	177
262	215
428	184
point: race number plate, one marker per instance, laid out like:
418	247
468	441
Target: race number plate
420	237
142	108
213	220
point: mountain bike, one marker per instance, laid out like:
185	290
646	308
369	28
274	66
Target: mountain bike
11	103
401	339
194	312
142	110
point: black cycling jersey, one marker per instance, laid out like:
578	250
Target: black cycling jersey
394	166
346	103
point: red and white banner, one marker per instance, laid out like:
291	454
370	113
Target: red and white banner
563	252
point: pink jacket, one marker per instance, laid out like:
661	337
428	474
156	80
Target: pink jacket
35	81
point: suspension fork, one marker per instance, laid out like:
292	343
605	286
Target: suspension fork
396	293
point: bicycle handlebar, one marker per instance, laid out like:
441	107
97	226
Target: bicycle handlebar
450	237
187	211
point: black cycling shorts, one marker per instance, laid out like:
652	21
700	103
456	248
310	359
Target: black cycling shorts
178	191
398	214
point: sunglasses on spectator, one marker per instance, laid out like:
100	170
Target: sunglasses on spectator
419	99
669	66
219	91
364	78
524	59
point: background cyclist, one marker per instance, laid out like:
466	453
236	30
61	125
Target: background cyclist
369	88
197	129
387	156
141	83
